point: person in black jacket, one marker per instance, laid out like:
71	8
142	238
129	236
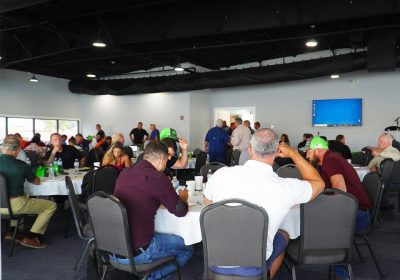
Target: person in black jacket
339	146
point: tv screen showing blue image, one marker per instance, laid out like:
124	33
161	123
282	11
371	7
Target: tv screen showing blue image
337	112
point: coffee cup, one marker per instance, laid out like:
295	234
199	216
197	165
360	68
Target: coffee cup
199	183
191	185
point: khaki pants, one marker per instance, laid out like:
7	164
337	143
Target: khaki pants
26	205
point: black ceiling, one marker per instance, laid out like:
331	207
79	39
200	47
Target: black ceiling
54	37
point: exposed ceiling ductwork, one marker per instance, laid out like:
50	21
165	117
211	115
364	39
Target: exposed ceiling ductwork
55	37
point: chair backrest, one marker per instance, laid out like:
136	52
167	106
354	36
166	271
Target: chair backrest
109	221
74	207
386	171
33	157
275	167
374	188
361	158
105	178
4	197
235	157
234	232
395	179
289	171
328	222
213	166
201	160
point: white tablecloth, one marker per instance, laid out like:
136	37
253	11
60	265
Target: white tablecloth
362	171
187	227
54	186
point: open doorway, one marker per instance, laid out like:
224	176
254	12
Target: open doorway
229	114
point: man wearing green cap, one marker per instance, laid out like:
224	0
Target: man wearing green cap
339	174
169	137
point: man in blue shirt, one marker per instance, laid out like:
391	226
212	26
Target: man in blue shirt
216	142
155	134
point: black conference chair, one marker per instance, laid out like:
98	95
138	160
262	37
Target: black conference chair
374	188
213	166
104	179
109	221
227	240
83	227
289	171
5	203
327	230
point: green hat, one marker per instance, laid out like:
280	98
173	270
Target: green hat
315	143
318	143
168	133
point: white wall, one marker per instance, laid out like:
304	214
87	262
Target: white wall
287	105
49	97
122	113
199	118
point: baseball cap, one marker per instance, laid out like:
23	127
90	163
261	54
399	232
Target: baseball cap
315	143
168	133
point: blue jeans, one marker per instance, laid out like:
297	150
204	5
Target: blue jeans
363	220
164	245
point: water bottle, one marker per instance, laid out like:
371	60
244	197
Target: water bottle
60	165
55	167
175	182
28	161
51	171
76	166
209	174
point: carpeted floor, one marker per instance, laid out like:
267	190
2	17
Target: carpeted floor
57	261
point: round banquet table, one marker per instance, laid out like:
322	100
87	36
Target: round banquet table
54	186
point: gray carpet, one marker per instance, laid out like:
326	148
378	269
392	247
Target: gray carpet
56	261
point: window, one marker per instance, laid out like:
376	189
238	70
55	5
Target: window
69	128
45	128
2	128
22	126
28	126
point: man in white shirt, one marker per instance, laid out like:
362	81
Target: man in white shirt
383	151
256	182
241	136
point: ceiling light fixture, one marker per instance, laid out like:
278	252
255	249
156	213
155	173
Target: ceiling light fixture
91	75
178	68
311	43
335	76
33	79
99	44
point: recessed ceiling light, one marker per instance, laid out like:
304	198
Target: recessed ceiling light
0	57
311	43
99	44
91	75
335	76
33	79
179	68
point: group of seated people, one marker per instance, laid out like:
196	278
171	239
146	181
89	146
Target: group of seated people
142	188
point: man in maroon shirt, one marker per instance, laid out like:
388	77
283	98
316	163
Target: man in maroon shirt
142	189
338	173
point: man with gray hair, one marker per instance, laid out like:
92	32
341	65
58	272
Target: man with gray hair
216	142
256	182
241	136
383	151
15	172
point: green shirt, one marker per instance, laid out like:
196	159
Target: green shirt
15	171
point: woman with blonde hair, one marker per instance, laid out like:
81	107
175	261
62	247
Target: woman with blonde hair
115	156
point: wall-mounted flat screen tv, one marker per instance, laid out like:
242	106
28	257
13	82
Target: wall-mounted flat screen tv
337	112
